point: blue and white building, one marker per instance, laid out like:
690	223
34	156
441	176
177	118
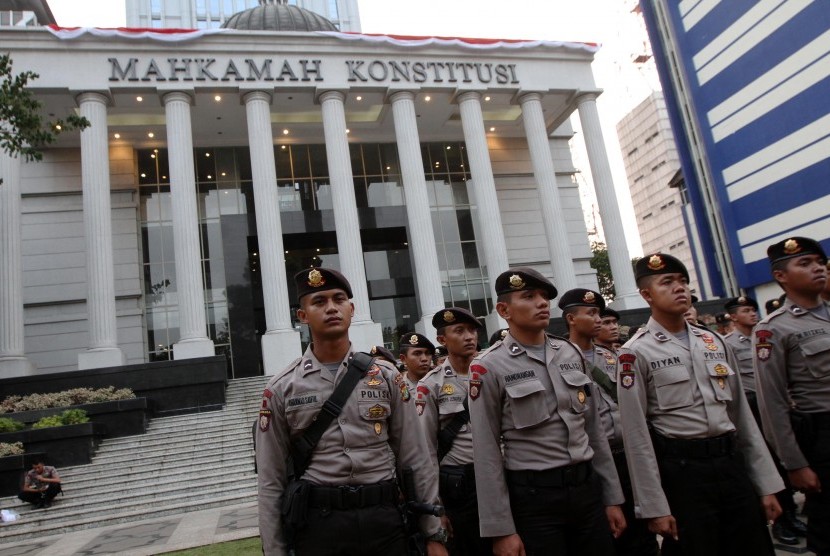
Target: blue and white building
747	84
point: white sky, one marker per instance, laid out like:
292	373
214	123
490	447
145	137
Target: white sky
607	22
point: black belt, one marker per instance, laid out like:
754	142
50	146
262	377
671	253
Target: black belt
466	470
569	475
698	448
350	497
821	420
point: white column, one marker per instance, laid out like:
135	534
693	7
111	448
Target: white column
421	234
13	362
627	295
193	340
553	218
280	343
489	217
100	298
364	333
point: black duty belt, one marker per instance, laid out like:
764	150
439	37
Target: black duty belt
698	448
821	420
466	470
569	475
351	497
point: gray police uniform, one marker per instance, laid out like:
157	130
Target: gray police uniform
792	372
354	450
688	430
410	384
544	415
605	361
741	346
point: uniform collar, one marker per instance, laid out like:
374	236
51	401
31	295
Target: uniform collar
514	348
797	310
310	364
446	369
662	335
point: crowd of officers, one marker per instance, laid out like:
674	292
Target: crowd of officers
545	445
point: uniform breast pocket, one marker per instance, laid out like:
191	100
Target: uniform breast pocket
577	389
673	387
528	406
817	356
301	410
374	417
450	407
719	374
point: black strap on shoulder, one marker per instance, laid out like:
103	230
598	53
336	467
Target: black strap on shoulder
603	381
302	448
446	436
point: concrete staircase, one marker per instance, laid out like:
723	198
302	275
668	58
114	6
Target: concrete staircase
181	464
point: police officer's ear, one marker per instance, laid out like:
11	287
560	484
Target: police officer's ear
441	339
301	315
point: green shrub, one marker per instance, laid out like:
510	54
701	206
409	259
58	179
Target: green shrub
68	417
14	449
75	396
10	425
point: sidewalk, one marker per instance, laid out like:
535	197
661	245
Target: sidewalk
143	538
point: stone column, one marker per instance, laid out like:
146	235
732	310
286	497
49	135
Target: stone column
364	333
193	340
489	217
421	234
13	362
100	298
561	261
280	343
627	295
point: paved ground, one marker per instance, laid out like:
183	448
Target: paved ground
144	538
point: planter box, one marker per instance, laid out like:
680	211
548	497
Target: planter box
171	387
122	417
12	469
65	446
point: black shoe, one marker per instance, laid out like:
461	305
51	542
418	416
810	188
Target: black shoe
794	524
40	505
47	504
783	534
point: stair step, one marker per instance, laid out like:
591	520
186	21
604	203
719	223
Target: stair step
201	439
153	469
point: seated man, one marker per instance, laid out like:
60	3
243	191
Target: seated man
40	485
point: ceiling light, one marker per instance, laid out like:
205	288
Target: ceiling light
486	99
152	156
492	129
348	130
388	167
217	98
223	174
117	136
58	127
139	99
285	132
143	175
283	147
448	147
164	177
210	178
358	97
427	98
151	135
207	155
318	249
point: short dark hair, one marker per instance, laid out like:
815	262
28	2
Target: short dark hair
569	311
644	282
440	331
504	297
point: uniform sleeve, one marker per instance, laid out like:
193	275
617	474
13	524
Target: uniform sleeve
272	449
649	498
495	517
408	442
603	461
429	418
760	466
770	362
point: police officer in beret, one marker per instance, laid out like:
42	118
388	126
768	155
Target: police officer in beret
609	332
547	482
691	313
774	304
700	470
382	352
416	356
497	336
825	294
723	323
442	403
792	371
347	493
581	309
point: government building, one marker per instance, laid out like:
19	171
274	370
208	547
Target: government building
221	162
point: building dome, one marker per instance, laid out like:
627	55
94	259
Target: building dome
275	15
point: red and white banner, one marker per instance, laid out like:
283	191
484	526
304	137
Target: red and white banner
167	35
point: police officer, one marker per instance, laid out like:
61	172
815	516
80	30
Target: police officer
581	309
697	460
743	311
825	293
442	404
416	357
792	371
497	336
609	332
553	489
349	499
773	304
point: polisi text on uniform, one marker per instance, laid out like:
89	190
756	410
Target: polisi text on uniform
375	394
714	356
660	363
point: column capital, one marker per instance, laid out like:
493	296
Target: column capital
582	97
528	96
399	94
174	96
257	95
461	96
328	94
93	96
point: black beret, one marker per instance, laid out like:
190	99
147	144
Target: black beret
794	247
441	351
659	263
695	299
608	312
383	353
524	278
580	297
314	280
453	315
722	318
742	301
499	334
774	304
413	339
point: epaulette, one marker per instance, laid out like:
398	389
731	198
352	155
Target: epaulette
431	372
777	313
638	334
284	372
489	349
